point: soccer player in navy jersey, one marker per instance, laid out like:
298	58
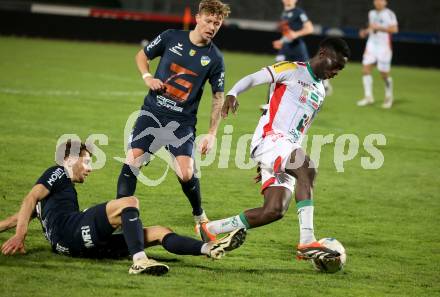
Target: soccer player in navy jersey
53	199
295	24
188	60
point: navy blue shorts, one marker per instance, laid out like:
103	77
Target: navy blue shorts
295	52
153	131
89	234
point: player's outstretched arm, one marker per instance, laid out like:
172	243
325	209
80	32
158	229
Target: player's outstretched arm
231	104
9	222
307	29
16	242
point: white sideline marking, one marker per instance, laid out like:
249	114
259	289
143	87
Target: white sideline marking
60	10
71	93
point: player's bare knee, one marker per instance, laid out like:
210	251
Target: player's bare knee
366	70
165	231
274	213
131	201
186	175
134	158
155	234
308	171
161	229
384	75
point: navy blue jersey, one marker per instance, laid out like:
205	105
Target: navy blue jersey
62	200
293	19
184	68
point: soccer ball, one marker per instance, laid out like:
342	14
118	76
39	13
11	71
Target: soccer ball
333	265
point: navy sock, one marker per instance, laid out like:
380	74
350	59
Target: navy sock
182	245
132	230
192	191
127	181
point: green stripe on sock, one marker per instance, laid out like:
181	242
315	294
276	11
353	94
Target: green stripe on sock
244	220
302	203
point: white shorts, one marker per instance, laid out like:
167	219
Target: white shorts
381	55
272	153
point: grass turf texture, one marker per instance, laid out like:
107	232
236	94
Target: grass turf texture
387	219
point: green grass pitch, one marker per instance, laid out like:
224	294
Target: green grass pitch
388	219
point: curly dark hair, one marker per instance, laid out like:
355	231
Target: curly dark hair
336	44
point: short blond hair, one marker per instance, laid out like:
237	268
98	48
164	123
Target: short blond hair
215	7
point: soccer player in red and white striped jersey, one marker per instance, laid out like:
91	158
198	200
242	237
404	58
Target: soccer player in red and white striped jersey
296	98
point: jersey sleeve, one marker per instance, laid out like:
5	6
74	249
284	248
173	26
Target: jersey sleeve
53	179
252	80
392	19
157	47
282	71
370	17
217	78
303	16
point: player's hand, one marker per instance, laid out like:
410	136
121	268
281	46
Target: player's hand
231	104
277	44
292	35
365	32
206	144
375	27
13	245
154	84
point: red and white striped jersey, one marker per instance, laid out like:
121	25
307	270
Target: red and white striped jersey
295	98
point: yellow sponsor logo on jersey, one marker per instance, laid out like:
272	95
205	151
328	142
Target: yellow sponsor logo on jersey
283	66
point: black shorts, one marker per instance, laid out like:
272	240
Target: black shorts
89	234
154	130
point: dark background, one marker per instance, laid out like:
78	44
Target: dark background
414	16
16	19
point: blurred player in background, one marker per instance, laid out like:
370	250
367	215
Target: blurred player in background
276	144
188	60
90	233
294	25
382	23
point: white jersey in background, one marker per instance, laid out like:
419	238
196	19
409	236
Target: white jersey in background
383	18
295	99
379	49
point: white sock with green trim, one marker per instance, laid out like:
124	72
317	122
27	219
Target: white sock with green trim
305	218
228	225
